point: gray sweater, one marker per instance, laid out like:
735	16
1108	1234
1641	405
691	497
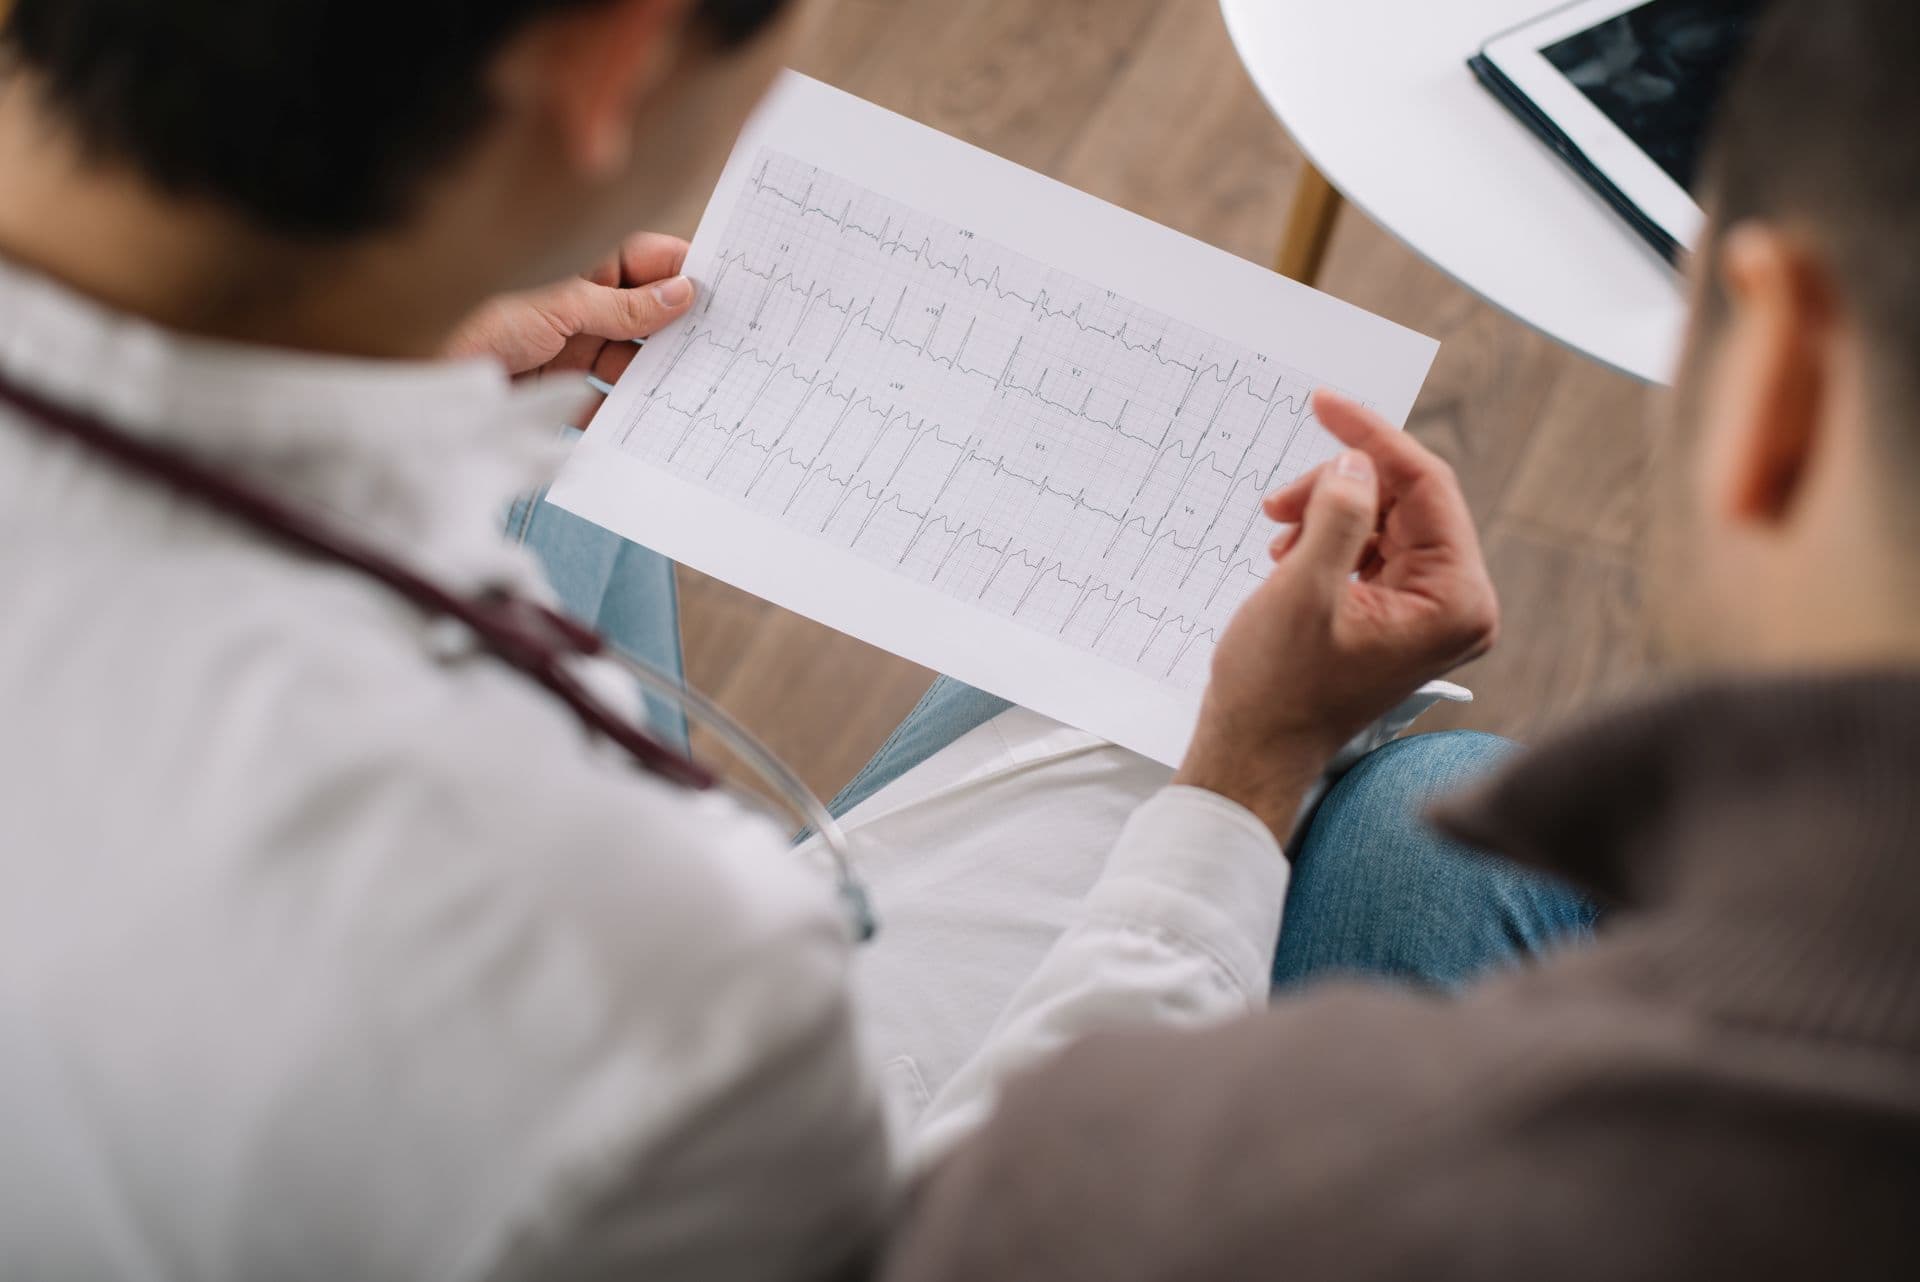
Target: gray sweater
1725	1084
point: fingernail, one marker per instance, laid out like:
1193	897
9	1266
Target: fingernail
1354	464
676	292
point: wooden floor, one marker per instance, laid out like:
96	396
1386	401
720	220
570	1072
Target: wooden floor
1144	103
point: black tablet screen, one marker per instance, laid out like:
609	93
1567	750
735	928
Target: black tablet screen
1656	72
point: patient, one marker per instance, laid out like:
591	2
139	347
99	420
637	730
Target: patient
1726	1081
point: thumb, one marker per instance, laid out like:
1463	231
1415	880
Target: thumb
612	313
1340	517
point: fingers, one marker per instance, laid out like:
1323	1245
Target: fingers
606	271
1288	503
576	354
607	365
1340	519
1401	459
582	307
1421	489
650	256
613	361
603	361
590	403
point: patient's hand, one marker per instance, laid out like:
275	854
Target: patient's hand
584	325
1378	588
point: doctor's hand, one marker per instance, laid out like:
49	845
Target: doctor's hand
1378	587
584	325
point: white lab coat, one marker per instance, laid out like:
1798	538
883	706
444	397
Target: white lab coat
329	950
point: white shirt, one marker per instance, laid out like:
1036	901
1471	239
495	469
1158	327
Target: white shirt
1037	882
328	952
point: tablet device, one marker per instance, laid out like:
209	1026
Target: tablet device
1623	91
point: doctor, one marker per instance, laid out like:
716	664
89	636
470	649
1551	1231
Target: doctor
330	947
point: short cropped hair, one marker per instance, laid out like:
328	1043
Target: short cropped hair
1820	129
313	119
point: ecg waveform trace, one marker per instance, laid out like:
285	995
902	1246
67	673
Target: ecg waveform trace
1012	435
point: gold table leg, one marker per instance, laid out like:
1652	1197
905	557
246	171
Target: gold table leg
1309	226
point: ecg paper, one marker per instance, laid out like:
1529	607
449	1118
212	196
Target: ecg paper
965	413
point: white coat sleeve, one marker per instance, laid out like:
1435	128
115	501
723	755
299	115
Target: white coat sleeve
1179	930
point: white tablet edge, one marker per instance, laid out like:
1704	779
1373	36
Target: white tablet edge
1517	54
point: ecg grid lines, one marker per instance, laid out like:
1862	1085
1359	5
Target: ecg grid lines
975	420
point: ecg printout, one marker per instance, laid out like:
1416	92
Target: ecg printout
909	418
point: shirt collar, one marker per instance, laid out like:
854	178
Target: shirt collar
1760	836
1626	805
421	454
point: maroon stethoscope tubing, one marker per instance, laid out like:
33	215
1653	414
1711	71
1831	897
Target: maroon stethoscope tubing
525	634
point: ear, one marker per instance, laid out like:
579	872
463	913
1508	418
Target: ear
1776	366
593	65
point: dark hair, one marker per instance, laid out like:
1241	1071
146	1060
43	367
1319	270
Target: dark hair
312	118
1817	130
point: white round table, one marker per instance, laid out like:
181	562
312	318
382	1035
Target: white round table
1378	96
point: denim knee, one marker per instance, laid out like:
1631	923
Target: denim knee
1371	831
1377	890
1392	786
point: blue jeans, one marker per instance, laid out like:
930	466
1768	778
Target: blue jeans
623	591
1375	891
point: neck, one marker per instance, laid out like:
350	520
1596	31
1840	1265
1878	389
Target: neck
1845	580
194	268
1844	605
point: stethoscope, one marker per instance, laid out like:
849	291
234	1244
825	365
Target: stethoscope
540	642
